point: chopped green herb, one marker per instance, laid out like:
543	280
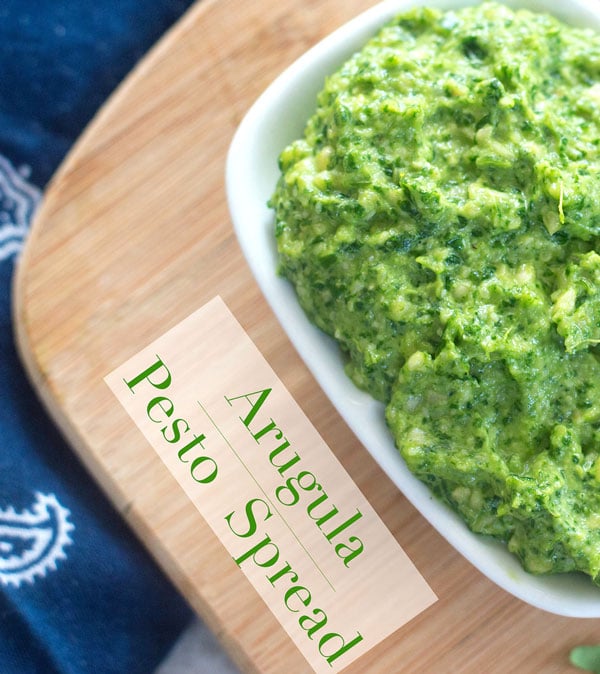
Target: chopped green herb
440	219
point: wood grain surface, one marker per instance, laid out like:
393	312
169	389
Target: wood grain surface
133	235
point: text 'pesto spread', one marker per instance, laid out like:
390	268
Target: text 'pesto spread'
441	220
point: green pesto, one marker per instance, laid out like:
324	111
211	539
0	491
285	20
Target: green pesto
440	219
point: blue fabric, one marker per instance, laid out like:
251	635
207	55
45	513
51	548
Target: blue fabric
78	593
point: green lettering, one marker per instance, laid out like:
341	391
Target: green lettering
347	553
285	570
158	402
312	626
299	591
265	546
148	372
212	469
344	648
254	406
250	516
198	439
332	534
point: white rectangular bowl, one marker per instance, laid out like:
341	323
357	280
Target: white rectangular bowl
277	118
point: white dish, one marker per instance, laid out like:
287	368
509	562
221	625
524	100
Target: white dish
277	118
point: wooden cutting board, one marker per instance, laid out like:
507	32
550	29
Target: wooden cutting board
132	237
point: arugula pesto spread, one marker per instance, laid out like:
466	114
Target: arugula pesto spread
440	219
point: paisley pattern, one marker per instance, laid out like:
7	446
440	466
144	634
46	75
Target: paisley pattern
59	62
18	202
32	541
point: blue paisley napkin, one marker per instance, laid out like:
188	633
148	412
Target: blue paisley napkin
78	593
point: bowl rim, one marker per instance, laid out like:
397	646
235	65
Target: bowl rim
250	158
